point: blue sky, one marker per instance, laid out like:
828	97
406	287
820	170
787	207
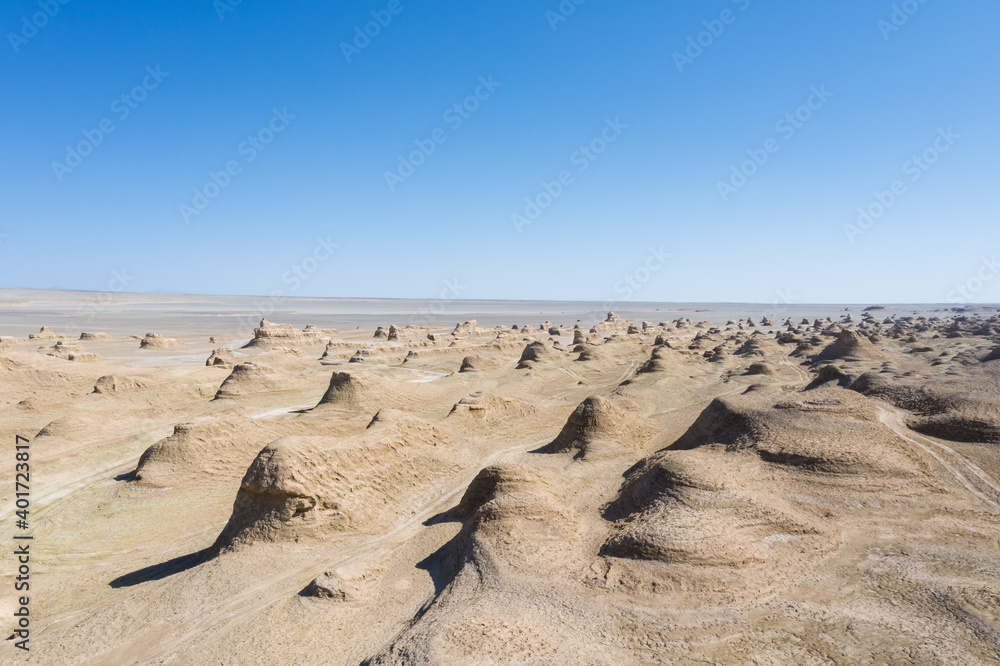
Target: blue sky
666	120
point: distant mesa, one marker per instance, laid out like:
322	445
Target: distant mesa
46	333
158	341
72	352
471	328
269	335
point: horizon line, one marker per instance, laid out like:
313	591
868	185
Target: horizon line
618	304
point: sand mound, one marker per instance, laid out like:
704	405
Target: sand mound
111	384
252	378
471	364
833	431
992	356
484	563
849	346
758	345
173	450
589	352
157	341
94	336
301	486
490	407
599	426
280	486
830	373
220	448
693	508
963	408
74	427
493	481
222	357
761	369
658	361
326	586
535	352
358	390
719	497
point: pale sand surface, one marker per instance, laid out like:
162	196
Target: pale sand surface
623	493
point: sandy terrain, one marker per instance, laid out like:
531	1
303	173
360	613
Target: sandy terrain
376	483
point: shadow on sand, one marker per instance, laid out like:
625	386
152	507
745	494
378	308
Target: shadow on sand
162	570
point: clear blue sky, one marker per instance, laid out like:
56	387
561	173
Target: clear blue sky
655	186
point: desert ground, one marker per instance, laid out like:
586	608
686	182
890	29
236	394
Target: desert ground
458	482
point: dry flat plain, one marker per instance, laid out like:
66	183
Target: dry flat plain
670	491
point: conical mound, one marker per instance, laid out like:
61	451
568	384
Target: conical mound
251	378
535	352
599	424
355	390
849	346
